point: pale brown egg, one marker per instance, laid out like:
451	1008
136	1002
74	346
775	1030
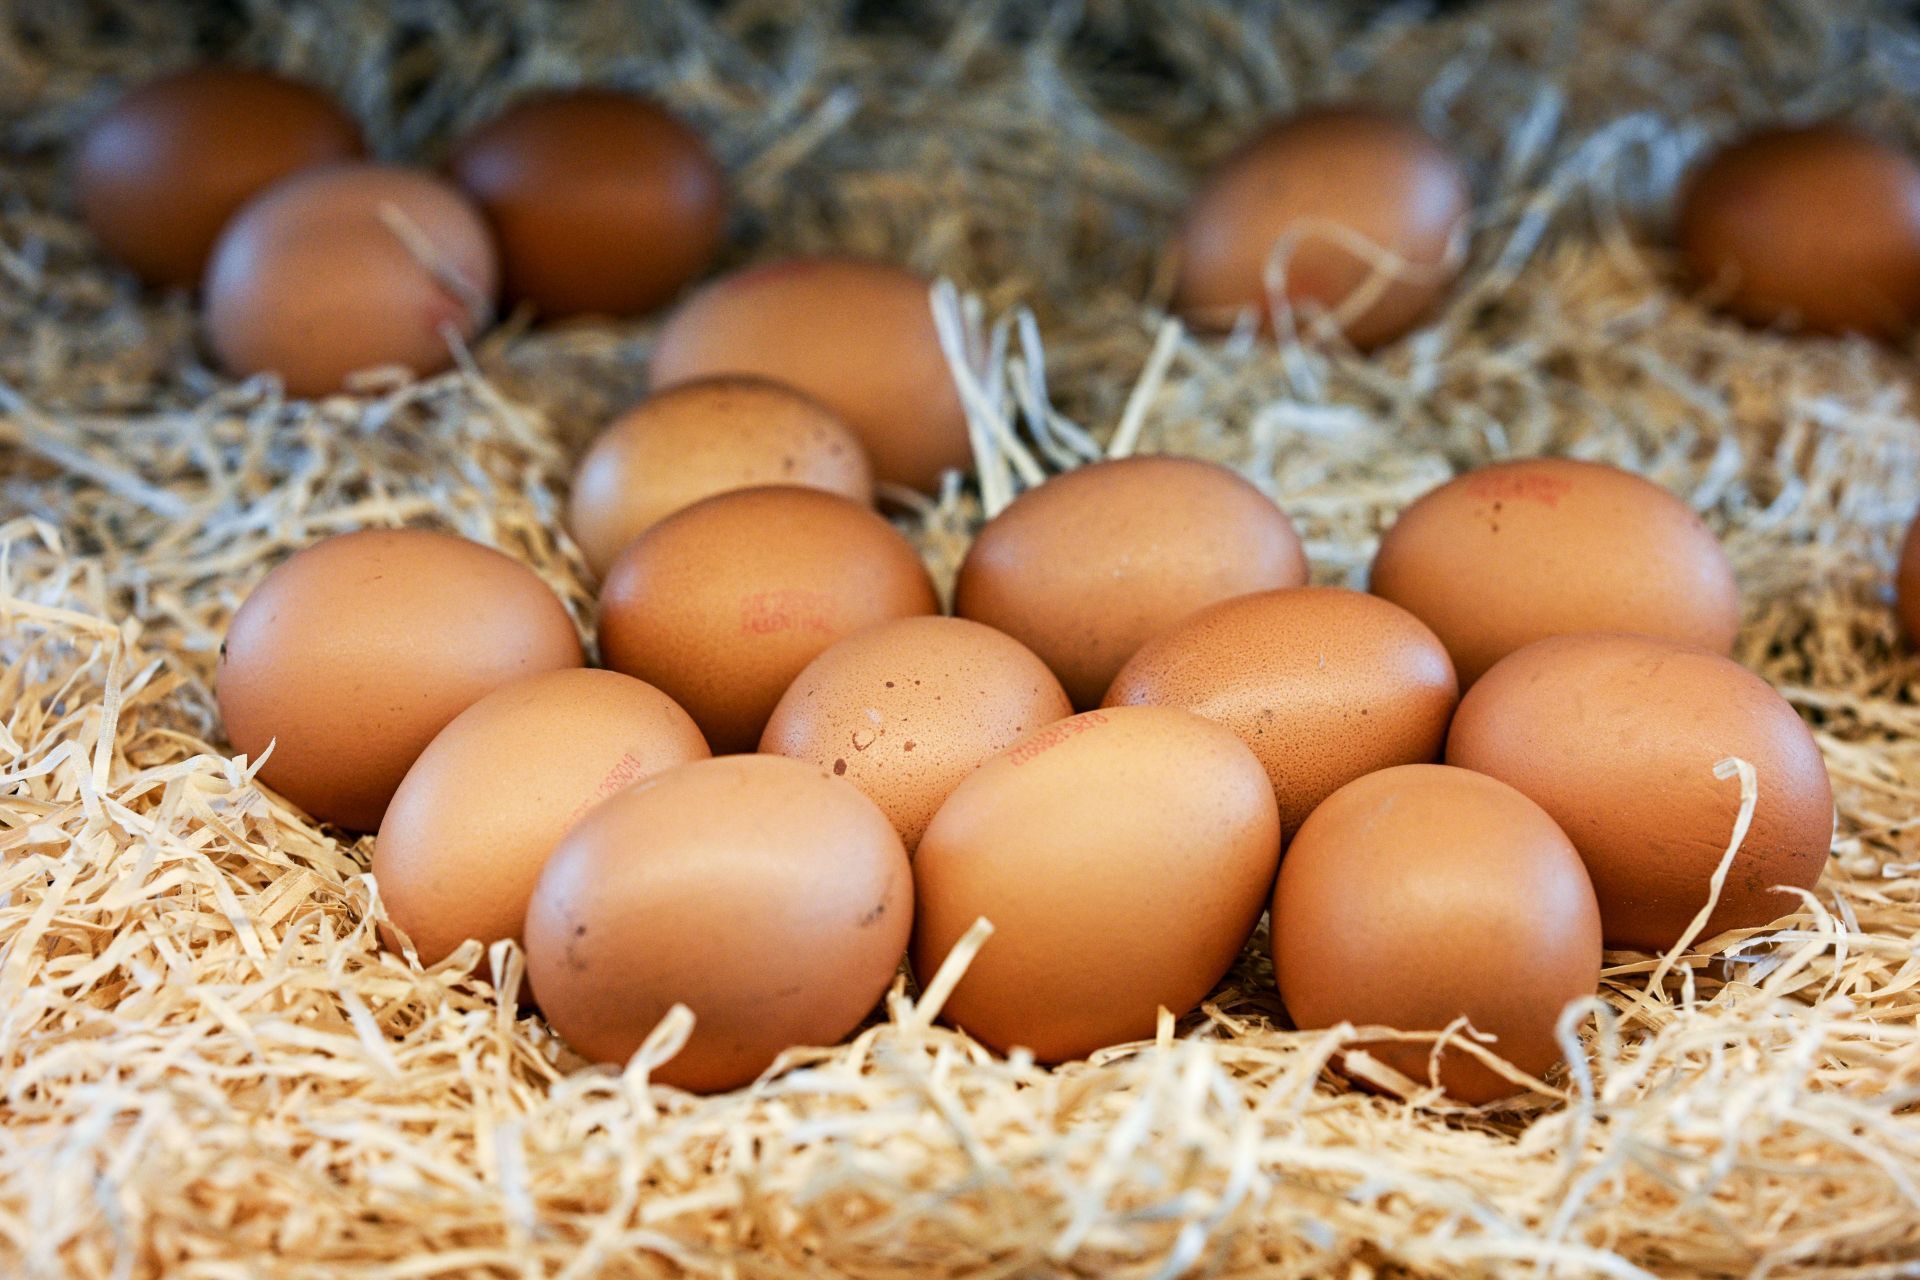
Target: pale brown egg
1122	856
769	897
1422	894
349	657
906	709
1813	227
857	336
1907	583
346	268
1089	566
1360	209
1511	553
701	438
480	811
163	170
604	203
723	604
1324	684
1617	737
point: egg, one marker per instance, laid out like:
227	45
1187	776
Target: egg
346	268
1813	226
1617	736
478	814
723	604
1511	553
766	895
1122	857
1907	583
603	202
160	173
701	438
1423	894
905	710
352	654
1324	684
857	336
1089	566
1359	208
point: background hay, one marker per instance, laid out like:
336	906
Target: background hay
207	1066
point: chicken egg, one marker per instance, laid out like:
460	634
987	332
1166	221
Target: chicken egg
723	604
766	895
701	438
351	655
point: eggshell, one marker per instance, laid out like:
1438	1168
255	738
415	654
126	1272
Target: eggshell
347	268
905	710
1089	566
701	438
1503	556
1421	894
1324	684
480	811
1907	583
722	605
770	898
1814	227
1617	737
1123	857
351	655
603	202
857	336
161	172
1323	195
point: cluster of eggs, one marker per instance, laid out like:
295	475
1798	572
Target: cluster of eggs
793	769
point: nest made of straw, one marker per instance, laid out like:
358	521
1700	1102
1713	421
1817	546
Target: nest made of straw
209	1067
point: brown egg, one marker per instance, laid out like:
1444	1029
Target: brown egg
1421	894
1122	856
1322	195
857	336
477	815
604	203
347	268
1813	227
770	898
160	173
1907	583
723	604
701	438
1324	684
348	658
907	709
1094	563
1503	556
1617	737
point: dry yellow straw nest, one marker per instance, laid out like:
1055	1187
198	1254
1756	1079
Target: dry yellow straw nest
208	1066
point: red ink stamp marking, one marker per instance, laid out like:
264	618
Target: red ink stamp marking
769	612
1052	736
1499	485
626	771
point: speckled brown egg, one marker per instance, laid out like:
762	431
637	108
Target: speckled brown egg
1324	684
1359	207
1907	583
767	896
907	709
1122	856
1812	227
1089	566
723	604
603	202
1508	554
347	268
163	170
857	336
349	657
701	438
480	811
1422	894
1617	737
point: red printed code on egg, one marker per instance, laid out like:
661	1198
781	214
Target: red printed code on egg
767	612
1501	486
1052	736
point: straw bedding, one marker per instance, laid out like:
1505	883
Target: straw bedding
209	1067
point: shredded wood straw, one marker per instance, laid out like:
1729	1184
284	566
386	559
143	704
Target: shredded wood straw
209	1066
